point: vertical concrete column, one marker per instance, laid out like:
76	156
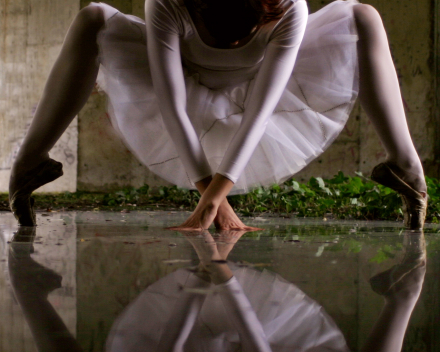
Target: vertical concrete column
108	165
32	32
14	106
436	71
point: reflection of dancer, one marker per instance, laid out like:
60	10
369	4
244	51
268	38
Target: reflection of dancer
225	113
220	307
223	307
32	284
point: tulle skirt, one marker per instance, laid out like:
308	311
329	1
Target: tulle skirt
291	320
311	113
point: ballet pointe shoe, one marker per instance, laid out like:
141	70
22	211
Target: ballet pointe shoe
401	277
414	203
21	202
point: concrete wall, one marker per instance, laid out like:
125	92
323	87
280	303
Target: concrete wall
31	38
109	165
31	35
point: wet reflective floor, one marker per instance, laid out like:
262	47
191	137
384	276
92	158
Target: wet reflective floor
101	281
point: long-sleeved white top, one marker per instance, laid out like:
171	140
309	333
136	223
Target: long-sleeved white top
267	60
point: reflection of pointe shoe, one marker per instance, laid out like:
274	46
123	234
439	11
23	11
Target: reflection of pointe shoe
22	241
29	277
25	234
385	282
26	274
414	203
21	202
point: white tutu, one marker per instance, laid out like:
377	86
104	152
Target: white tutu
291	320
309	116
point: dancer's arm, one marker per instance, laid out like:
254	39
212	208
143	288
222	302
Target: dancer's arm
271	80
270	83
169	84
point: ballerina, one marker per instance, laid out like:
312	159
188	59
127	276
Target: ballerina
224	108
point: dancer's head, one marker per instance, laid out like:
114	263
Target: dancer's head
231	20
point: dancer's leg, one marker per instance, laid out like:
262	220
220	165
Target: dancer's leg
381	99
67	89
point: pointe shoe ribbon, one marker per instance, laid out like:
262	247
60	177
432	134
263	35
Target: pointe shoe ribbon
21	202
414	204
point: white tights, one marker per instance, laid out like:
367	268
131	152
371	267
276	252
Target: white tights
381	99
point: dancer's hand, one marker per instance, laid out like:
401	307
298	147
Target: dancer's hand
214	192
200	219
213	254
227	219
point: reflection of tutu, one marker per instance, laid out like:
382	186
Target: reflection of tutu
310	114
291	320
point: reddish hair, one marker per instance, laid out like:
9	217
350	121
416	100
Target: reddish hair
231	20
269	10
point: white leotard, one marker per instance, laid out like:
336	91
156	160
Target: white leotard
270	55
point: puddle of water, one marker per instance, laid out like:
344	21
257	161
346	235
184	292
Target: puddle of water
91	279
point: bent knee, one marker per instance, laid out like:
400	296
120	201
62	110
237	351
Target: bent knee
91	17
367	17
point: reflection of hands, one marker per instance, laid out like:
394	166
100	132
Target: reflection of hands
213	253
403	282
209	249
205	247
227	241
